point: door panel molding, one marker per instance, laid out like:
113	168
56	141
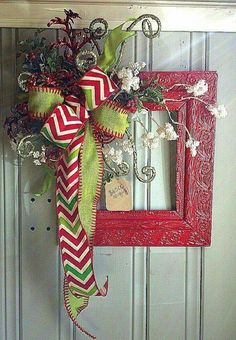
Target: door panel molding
195	16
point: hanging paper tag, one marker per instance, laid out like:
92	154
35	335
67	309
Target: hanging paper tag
118	195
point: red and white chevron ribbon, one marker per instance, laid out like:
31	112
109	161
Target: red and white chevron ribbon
66	128
80	110
97	87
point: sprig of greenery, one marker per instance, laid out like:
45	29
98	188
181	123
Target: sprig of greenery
39	56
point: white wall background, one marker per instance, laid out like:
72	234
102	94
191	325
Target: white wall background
154	293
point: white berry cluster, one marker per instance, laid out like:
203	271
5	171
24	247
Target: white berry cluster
219	111
198	89
192	145
167	132
129	76
150	140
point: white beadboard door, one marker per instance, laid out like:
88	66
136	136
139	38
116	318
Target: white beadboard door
154	293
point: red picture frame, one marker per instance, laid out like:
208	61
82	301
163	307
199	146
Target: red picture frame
190	223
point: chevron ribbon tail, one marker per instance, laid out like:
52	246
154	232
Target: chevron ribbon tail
80	173
68	129
74	306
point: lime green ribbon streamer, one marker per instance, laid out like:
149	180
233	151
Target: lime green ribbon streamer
113	41
91	172
76	304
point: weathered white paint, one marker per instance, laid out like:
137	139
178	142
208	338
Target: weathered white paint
175	15
220	269
169	309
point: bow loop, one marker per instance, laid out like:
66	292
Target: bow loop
62	126
111	118
79	109
97	87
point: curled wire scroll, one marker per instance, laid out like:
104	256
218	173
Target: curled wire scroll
122	169
148	30
98	28
148	170
147	25
26	148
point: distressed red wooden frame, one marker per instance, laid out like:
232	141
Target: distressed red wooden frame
190	223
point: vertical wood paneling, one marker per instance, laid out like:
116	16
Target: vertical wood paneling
111	317
154	293
192	293
194	256
197	51
39	266
171	52
167	293
139	193
167	266
220	269
2	202
39	250
11	211
66	329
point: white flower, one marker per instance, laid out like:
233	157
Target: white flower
135	83
136	67
192	145
127	146
128	79
43	157
126	84
37	162
161	133
219	111
150	140
113	155
36	154
167	132
117	157
40	157
198	89
125	73
130	83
